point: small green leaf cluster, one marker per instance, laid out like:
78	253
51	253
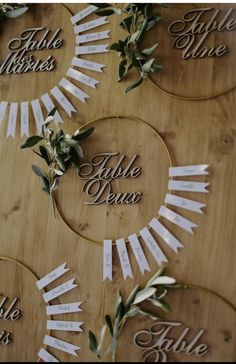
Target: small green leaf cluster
12	10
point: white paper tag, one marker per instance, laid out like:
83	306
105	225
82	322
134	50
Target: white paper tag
61	345
107	259
63	101
46	357
3	109
138	253
49	106
38	115
195	170
124	258
82	14
88	65
92	49
63	308
177	219
24	118
73	89
12	119
81	77
60	290
184	203
90	25
152	245
92	37
64	325
188	186
166	235
52	276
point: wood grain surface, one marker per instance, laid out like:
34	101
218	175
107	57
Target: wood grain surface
196	132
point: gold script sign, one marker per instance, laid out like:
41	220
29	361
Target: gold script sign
191	32
158	340
8	312
99	177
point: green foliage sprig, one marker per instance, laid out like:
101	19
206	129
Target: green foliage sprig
12	10
153	293
59	150
139	19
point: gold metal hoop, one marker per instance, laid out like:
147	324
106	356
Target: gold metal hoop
27	269
114	117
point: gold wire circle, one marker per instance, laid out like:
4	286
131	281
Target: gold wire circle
114	117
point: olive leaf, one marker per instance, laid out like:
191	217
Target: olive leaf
165	280
92	342
31	141
144	294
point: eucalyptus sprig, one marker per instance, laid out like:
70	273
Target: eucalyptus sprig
139	19
153	293
12	10
59	150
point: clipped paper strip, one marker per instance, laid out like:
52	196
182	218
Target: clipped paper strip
138	253
61	345
88	65
81	77
38	115
24	118
107	259
73	89
90	25
52	276
184	203
64	325
92	49
83	13
92	37
188	186
60	290
3	109
152	245
46	356
63	101
48	103
63	308
195	170
12	119
166	235
177	219
124	258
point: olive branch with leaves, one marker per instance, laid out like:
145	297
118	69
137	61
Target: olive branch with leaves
12	10
139	20
154	292
60	151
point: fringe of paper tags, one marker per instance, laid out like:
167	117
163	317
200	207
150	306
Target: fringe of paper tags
65	83
52	310
157	227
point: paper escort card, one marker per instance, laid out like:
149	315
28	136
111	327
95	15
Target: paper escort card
91	49
61	345
177	219
63	101
81	77
195	170
24	118
50	106
38	115
73	89
89	65
188	186
3	108
63	308
90	25
52	276
92	37
12	119
124	258
184	203
46	357
60	290
64	325
152	245
83	14
139	254
107	260
166	235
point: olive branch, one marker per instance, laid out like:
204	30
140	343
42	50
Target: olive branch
139	20
154	292
12	10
